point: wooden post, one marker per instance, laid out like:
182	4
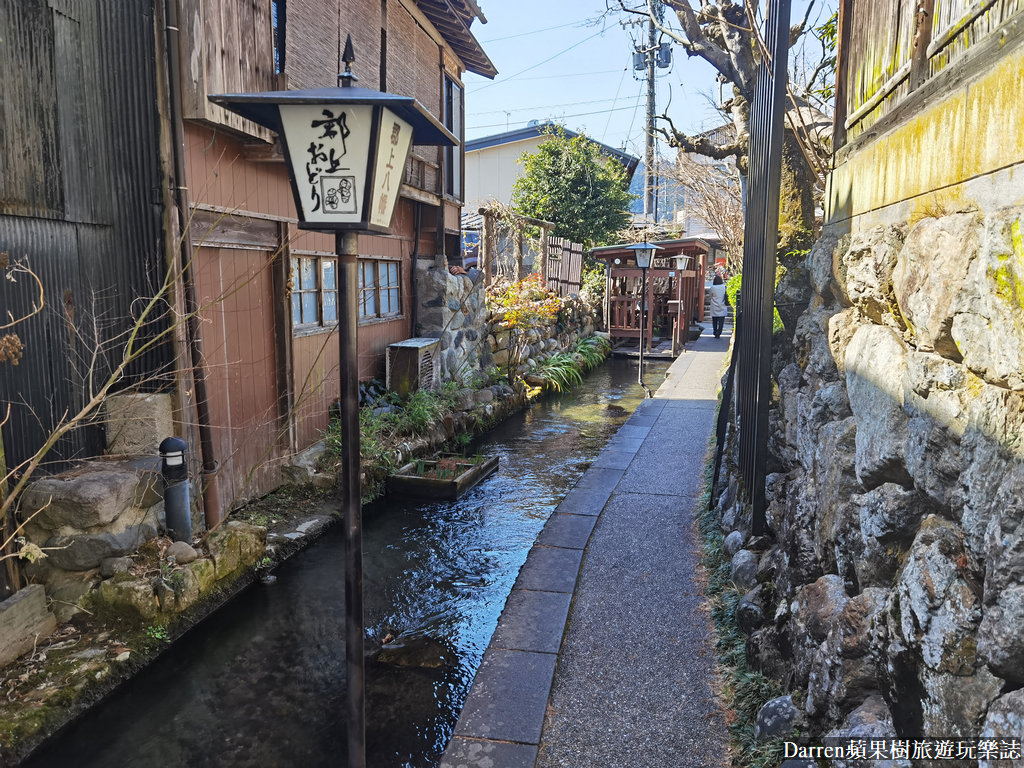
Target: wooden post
519	250
543	267
922	38
486	244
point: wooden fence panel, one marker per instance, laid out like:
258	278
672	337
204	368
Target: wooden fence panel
565	266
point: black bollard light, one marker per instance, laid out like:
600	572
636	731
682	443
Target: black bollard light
177	506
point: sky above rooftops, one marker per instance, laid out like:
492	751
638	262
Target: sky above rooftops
570	62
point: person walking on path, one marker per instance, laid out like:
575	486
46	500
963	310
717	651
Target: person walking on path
719	304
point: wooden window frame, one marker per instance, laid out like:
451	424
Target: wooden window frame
324	290
454	121
370	295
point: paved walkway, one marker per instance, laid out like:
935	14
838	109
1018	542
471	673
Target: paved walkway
602	656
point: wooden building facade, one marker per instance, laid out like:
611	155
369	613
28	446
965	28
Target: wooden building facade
117	169
928	108
269	326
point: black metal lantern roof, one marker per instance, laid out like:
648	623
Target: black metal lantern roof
263	108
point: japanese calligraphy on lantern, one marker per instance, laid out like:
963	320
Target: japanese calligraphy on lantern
328	145
393	142
347	162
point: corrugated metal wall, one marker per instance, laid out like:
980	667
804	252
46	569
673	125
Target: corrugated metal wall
79	202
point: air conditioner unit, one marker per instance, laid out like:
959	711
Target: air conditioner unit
413	364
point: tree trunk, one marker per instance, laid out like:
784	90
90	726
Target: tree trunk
796	232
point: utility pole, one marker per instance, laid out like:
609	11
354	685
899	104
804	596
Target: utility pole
649	176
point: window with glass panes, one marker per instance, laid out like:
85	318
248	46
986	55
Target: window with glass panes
314	291
379	289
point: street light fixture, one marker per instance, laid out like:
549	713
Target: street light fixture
345	149
643	252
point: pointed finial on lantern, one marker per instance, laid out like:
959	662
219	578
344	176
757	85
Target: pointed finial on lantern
346	78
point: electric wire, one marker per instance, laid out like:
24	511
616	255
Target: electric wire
617	91
541	63
544	106
583	23
560	117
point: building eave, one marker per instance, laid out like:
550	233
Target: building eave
452	18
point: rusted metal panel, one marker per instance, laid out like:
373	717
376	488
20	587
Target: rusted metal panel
28	124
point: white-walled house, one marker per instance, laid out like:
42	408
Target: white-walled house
492	162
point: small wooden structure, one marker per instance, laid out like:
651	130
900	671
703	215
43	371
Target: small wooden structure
441	479
675	297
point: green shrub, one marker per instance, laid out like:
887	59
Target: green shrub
593	350
732	290
561	371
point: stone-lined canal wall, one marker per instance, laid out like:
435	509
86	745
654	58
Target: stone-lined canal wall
453	308
891	600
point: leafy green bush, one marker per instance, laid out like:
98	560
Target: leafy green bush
527	303
593	350
593	283
732	290
419	411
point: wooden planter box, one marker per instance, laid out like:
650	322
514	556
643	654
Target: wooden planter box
464	475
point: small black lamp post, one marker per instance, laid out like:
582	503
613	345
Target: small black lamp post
345	149
644	253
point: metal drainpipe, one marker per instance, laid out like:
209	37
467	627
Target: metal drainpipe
414	282
211	499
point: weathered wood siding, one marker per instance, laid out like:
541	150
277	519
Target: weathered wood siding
80	193
242	205
889	48
235	293
227	47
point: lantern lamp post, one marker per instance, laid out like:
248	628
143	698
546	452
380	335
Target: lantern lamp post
345	149
644	252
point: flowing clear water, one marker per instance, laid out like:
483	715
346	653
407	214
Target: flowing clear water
262	682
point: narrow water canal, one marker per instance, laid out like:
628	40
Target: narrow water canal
261	683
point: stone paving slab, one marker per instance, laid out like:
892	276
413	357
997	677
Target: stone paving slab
532	621
509	697
550	569
694	405
591	493
614	459
631	430
476	753
565	530
630	444
642	420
